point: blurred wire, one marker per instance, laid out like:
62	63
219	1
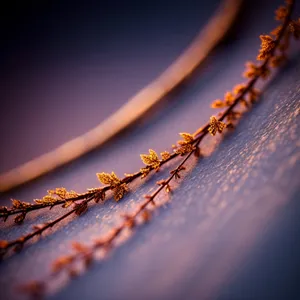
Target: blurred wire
137	106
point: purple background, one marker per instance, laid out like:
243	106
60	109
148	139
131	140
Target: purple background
231	230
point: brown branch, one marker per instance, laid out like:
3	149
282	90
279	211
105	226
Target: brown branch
87	197
186	147
28	207
18	243
5	212
193	56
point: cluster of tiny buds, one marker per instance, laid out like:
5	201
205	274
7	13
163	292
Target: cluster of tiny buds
272	53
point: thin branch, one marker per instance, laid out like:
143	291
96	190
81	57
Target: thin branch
184	65
186	147
25	207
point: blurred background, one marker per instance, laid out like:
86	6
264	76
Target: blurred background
231	231
71	64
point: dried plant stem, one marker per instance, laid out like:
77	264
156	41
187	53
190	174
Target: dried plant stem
150	95
38	230
36	206
188	146
86	197
4	213
86	253
251	82
93	193
19	243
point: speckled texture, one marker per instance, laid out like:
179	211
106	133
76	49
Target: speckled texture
215	239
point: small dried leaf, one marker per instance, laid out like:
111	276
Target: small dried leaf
128	175
109	179
38	201
187	137
81	208
104	178
239	88
61	192
267	46
251	70
16	203
160	182
20	218
47	200
168	188
184	149
229	98
276	31
281	13
218	104
145	172
244	103
99	196
215	126
119	191
72	194
165	155
67	204
115	178
151	160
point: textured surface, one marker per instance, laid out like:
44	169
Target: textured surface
230	231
